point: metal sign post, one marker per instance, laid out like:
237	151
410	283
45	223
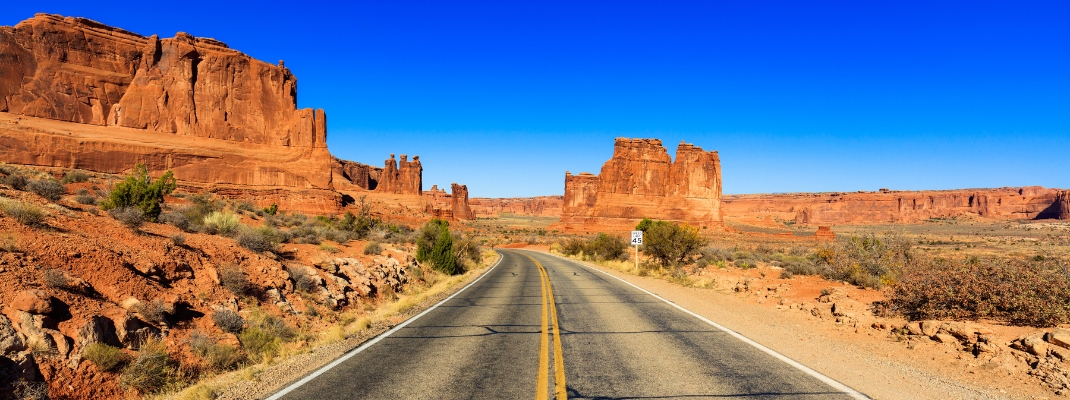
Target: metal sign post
637	239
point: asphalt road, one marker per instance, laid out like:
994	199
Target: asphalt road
497	340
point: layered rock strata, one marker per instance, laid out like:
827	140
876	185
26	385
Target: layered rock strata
888	206
405	177
641	180
541	206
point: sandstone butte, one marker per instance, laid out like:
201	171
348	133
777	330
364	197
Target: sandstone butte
641	180
75	93
539	206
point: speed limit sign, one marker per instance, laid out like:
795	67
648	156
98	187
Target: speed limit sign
637	238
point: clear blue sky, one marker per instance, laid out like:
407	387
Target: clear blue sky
796	95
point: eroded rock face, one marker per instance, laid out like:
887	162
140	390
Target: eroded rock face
405	177
78	70
641	180
459	200
450	207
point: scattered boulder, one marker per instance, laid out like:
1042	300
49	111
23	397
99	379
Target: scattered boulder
944	338
132	332
98	330
10	341
930	328
33	301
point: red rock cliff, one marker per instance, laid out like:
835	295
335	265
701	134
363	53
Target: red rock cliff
888	206
402	178
78	94
459	202
641	180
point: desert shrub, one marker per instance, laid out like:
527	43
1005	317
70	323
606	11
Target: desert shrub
870	261
272	210
712	255
217	356
153	311
373	248
106	357
201	205
75	176
573	247
150	371
379	233
47	188
1021	292
245	206
338	236
16	181
132	217
85	198
229	321
55	278
23	389
607	247
266	332
304	280
467	250
140	191
24	213
434	245
799	266
176	219
671	244
178	239
264	238
307	233
234	280
221	223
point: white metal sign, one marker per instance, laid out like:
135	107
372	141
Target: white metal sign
637	238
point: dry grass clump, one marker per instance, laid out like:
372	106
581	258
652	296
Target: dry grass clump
221	223
154	311
304	280
74	176
870	261
151	370
24	213
264	336
216	356
83	197
47	188
1032	292
106	357
373	248
264	238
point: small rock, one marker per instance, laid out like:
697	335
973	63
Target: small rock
1059	337
945	338
930	328
33	301
914	328
10	341
1035	345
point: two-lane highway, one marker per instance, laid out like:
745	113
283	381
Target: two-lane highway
538	326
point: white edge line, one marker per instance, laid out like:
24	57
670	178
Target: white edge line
821	377
351	353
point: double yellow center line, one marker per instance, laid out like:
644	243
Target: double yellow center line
549	318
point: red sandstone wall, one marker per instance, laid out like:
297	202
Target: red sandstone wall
641	180
541	206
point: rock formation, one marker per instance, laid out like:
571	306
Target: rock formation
452	206
641	180
79	94
889	206
541	206
405	177
824	233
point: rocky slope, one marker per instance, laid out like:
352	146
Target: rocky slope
641	180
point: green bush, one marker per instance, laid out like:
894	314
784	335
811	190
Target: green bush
221	223
106	358
607	247
26	214
574	246
434	245
671	244
150	371
139	190
373	248
266	332
47	188
272	210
